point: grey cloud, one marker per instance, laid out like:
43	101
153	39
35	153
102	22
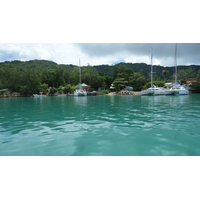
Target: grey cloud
103	49
103	53
188	53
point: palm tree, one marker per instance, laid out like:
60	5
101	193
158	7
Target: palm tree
165	73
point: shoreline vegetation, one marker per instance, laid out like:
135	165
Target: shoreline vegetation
122	92
25	78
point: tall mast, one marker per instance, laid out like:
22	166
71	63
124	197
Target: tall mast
151	67
175	64
79	70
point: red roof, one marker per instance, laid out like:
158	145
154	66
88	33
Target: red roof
191	80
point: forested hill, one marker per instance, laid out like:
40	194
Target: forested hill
143	67
31	77
105	69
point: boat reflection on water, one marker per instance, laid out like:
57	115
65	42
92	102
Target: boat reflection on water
39	95
165	102
80	100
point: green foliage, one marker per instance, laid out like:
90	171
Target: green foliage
1	85
53	90
10	77
43	88
74	78
127	76
184	74
53	77
119	81
156	78
198	76
156	83
36	76
137	81
103	92
165	73
120	70
183	81
195	86
159	83
30	81
68	89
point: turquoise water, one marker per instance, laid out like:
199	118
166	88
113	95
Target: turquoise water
101	125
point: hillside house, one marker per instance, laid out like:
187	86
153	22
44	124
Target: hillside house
191	80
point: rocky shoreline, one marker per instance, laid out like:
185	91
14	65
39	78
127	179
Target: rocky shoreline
122	92
125	92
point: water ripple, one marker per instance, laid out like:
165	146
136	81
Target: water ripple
102	125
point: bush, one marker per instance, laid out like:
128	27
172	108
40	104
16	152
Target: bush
68	89
53	90
156	83
43	88
195	86
103	92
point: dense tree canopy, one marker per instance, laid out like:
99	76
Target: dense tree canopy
195	86
38	75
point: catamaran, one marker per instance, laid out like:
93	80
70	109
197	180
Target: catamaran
183	91
176	89
153	90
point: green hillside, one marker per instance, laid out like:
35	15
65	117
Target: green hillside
31	76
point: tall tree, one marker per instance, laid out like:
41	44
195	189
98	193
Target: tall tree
138	81
74	78
184	74
198	76
10	77
165	73
120	70
31	81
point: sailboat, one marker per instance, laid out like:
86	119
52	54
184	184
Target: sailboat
183	90
80	91
176	89
149	91
153	90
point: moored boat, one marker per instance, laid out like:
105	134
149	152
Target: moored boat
149	91
39	95
183	91
159	91
176	89
171	91
153	91
80	92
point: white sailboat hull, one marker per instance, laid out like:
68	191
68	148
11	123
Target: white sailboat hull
159	92
39	95
179	90
171	92
176	89
153	91
183	92
147	92
80	93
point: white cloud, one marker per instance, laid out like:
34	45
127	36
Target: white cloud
43	53
97	54
138	59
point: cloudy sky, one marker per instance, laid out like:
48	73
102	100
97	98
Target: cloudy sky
100	32
102	53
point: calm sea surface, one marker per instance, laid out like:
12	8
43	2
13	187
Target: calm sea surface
101	125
